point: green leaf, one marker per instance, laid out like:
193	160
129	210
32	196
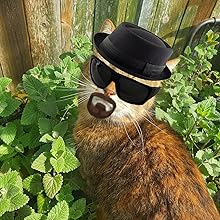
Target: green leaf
18	201
61	128
46	138
42	163
12	105
35	89
36	216
11	178
8	133
44	125
57	164
58	147
23	212
52	184
5	151
71	162
42	203
30	114
59	211
65	194
4	206
33	184
8	216
209	169
49	106
78	208
4	82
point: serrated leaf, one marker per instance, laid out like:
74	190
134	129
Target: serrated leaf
4	206
33	184
59	211
24	212
61	128
30	114
199	154
8	216
52	184
46	138
8	133
42	203
42	163
35	89
58	147
78	208
5	150
12	105
3	105
36	216
44	125
49	106
65	194
11	178
4	82
57	164
209	169
71	162
18	201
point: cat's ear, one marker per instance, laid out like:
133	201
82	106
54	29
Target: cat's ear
107	27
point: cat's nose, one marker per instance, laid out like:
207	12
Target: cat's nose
110	89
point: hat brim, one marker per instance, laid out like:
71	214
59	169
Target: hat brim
99	37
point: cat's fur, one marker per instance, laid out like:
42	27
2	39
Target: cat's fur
134	178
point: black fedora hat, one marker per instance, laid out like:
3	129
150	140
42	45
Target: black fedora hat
135	51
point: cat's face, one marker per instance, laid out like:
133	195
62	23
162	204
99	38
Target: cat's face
117	111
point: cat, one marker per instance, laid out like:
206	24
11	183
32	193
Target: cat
135	166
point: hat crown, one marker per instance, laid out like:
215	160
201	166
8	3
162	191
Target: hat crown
132	47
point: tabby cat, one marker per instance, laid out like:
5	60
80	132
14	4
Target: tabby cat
135	166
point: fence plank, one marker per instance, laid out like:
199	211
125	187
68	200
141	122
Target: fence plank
83	11
168	18
14	45
148	11
43	17
66	23
204	10
1	71
197	10
105	9
216	10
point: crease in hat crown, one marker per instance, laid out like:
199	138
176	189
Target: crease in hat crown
135	51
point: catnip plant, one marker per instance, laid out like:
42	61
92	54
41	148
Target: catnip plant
190	103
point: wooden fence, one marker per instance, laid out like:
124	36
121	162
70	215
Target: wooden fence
36	31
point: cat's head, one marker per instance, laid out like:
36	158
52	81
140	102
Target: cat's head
93	100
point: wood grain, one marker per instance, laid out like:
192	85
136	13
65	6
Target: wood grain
105	9
14	43
66	23
216	10
196	11
83	17
147	14
1	71
168	18
43	18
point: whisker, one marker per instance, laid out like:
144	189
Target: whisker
82	100
127	133
138	128
75	94
154	124
85	77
